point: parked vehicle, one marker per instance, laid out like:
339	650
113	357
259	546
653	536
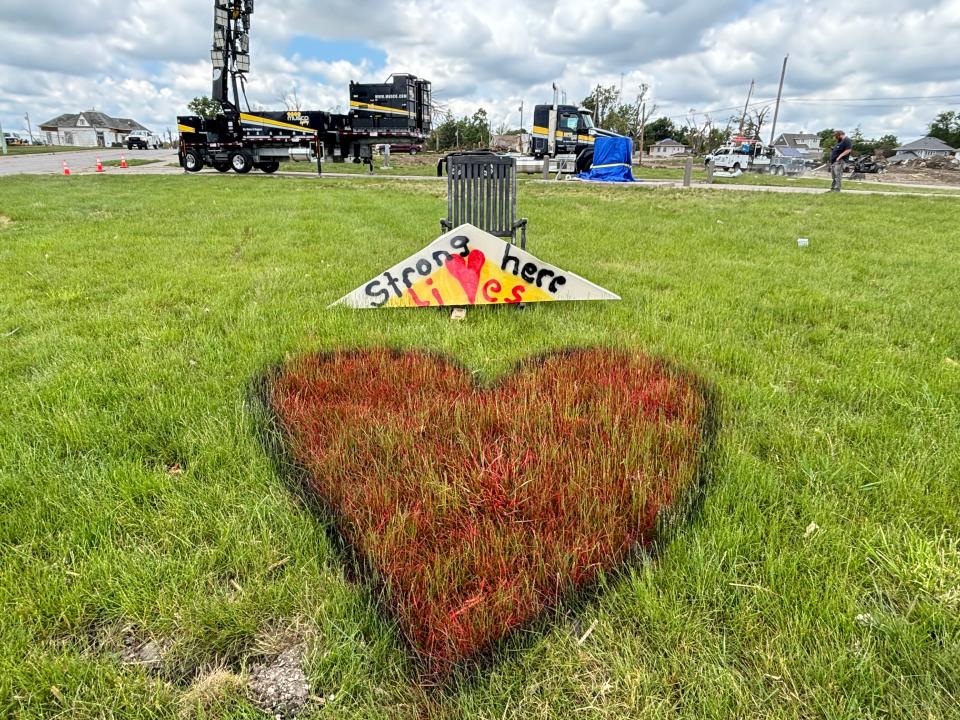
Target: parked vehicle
864	164
142	140
397	112
13	139
412	148
746	155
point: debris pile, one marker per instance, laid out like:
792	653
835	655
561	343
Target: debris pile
936	162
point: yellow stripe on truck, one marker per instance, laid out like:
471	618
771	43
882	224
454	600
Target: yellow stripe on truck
541	131
186	128
357	105
257	120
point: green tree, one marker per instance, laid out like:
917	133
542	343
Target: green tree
946	127
204	107
601	102
827	141
661	129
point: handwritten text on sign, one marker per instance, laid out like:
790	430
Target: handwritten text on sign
470	267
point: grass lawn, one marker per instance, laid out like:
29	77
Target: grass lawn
400	164
39	149
131	162
820	577
700	175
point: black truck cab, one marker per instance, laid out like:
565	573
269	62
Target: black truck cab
574	130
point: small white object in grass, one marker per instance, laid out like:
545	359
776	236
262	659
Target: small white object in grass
811	529
459	314
865	619
588	633
803	242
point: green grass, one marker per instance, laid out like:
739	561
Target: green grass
700	175
131	162
39	149
135	311
421	165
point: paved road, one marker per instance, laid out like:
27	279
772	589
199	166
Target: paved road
82	161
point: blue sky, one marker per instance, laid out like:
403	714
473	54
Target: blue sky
146	60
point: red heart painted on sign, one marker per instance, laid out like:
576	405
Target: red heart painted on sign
475	509
467	273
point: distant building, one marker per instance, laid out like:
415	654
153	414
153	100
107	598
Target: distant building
806	144
923	148
87	129
668	148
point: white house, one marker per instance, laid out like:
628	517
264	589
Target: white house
668	148
808	145
87	129
923	148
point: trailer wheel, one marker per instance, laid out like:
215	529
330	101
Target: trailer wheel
192	162
269	167
241	163
221	165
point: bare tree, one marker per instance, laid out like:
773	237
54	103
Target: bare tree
696	133
292	100
755	122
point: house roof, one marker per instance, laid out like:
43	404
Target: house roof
795	139
669	142
790	152
927	143
95	119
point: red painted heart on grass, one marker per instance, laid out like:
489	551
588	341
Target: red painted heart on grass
467	273
477	508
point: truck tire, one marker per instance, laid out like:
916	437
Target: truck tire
241	163
584	160
269	167
736	168
192	161
221	165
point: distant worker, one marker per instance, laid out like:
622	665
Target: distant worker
840	151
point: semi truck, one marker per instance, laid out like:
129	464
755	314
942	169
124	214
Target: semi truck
398	110
564	136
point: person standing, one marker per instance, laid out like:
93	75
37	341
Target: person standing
839	152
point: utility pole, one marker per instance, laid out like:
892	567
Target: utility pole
643	128
746	106
776	112
521	116
3	141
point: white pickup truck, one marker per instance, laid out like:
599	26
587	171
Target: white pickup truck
143	140
743	155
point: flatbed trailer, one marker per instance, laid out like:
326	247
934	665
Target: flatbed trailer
396	111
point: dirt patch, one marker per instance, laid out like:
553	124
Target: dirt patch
280	687
148	655
5	222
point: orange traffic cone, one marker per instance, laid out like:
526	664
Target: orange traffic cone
66	170
123	161
99	166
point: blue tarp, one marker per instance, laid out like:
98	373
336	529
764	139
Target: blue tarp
612	160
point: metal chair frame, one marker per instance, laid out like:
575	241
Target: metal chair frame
482	191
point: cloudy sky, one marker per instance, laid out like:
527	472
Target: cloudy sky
888	66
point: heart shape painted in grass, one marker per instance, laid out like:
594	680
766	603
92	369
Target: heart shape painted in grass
475	509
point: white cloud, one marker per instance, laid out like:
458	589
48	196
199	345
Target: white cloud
146	60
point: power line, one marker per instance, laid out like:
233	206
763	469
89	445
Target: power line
858	102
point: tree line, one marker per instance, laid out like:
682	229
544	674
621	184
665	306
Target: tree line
634	118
